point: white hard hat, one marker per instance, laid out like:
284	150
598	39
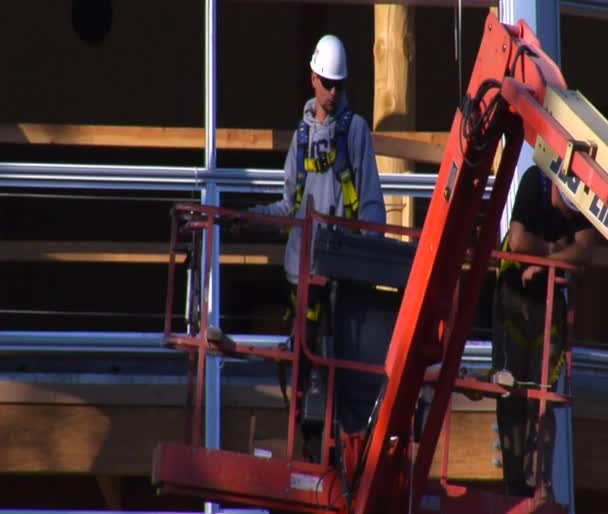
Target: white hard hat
329	58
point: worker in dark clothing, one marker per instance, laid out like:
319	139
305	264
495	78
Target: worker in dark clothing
545	223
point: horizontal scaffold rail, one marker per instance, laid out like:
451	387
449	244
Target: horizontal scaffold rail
116	177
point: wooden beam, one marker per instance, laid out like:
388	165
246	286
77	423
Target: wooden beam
118	440
423	146
157	253
416	146
394	95
143	137
132	252
110	441
597	9
111	488
152	393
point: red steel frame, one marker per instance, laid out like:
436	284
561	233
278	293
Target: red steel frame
429	328
176	477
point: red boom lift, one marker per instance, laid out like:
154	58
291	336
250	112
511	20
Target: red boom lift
516	93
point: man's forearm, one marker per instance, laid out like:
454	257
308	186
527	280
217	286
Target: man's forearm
577	252
574	253
528	243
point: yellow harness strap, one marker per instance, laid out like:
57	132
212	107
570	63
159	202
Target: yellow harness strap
320	164
505	263
312	314
514	333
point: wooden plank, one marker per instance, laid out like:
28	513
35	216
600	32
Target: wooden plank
111	488
115	440
156	253
111	440
597	9
163	393
131	252
435	138
85	251
423	146
472	444
118	440
154	393
156	137
85	439
410	147
74	393
471	448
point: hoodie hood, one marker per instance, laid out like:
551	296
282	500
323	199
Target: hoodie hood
310	108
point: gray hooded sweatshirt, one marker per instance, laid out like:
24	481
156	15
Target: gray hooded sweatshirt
325	187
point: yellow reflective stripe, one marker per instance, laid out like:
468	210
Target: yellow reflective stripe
288	314
313	313
540	338
351	200
514	333
299	196
557	371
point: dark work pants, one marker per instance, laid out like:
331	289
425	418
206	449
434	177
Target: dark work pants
360	321
317	328
517	345
364	319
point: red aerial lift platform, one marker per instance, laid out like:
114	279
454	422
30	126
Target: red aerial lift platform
511	83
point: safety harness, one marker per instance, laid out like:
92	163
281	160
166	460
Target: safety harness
336	158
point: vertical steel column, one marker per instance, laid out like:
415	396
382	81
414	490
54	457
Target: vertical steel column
543	16
210	85
211	197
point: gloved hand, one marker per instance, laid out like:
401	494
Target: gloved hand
220	340
233	226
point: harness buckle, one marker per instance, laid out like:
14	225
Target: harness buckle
323	162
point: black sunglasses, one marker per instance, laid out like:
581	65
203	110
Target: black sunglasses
330	84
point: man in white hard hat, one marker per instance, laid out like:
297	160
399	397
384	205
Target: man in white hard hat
332	159
547	224
313	156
